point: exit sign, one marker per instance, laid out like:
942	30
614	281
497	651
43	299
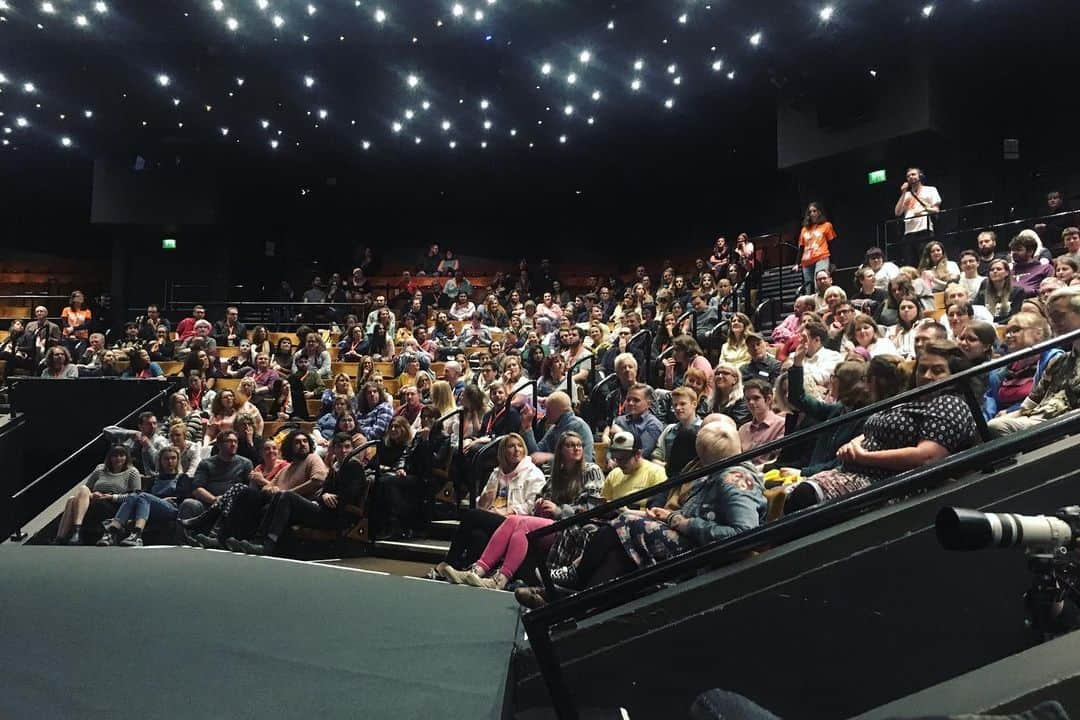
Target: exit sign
875	177
168	244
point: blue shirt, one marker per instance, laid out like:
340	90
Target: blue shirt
646	430
567	421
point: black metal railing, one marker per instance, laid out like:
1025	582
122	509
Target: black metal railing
539	634
80	455
885	227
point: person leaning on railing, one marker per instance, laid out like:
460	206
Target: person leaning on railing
723	504
899	438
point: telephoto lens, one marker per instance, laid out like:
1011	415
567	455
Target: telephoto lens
961	529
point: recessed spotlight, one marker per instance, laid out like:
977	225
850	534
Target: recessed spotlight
48	8
396	127
672	68
452	144
409	114
591	121
209	108
265	124
81	21
262	4
635	84
639	64
417	140
217	5
595	94
927	10
273	144
426	105
224	132
3	79
309	81
562	139
571	78
21	122
826	13
101	8
483	144
458	10
755	39
487	124
29	87
683	18
484	104
233	24
366	144
717	65
176	102
545	69
446	125
478	15
669	103
568	110
311	9
65	141
731	75
873	73
163	80
322	114
584	57
513	132
412	81
677	80
380	15
88	114
278	21
611	25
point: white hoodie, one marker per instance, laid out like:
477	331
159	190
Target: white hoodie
523	484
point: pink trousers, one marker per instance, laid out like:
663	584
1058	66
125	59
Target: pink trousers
510	545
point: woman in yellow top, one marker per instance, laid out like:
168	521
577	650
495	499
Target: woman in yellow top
814	238
734	350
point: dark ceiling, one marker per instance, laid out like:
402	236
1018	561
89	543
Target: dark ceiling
238	98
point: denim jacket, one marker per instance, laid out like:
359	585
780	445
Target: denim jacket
725	503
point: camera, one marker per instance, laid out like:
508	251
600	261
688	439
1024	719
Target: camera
962	529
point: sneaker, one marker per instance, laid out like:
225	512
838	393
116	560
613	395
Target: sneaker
530	597
433	574
803	495
254	548
452	574
471	578
565	578
210	542
132	540
107	539
234	545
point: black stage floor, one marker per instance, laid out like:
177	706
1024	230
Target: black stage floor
179	632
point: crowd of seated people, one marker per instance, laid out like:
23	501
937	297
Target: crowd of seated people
568	400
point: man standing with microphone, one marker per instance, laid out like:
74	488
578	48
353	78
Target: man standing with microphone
916	204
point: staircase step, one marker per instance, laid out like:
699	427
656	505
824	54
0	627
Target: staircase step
429	549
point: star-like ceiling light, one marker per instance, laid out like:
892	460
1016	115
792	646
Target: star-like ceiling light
412	81
826	13
163	80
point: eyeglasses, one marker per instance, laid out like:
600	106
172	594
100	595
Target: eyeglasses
728	373
573	446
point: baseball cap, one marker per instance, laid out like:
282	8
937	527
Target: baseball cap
624	441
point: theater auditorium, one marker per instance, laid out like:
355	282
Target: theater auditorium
527	359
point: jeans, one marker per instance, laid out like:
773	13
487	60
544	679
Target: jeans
472	536
146	506
809	272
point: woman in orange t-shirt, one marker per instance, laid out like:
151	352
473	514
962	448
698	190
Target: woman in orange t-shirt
814	238
76	317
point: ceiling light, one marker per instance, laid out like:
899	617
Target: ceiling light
571	78
412	81
446	125
29	87
366	144
595	94
755	39
65	141
478	15
218	5
311	9
639	64
731	75
176	102
452	144
717	65
417	140
568	110
487	124
81	21
308	81
322	114
826	13
671	69
611	25
928	10
458	10
409	114
163	80
240	82
101	8
669	103
209	108
683	18
88	114
513	132
262	4
426	105
3	79
483	143
873	73
273	144
48	8
233	24
562	139
265	124
584	57
545	69
278	21
590	121
635	84
484	104
380	15
21	122
396	127
224	132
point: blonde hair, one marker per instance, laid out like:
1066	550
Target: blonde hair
442	397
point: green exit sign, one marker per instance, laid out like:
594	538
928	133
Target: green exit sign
875	177
168	244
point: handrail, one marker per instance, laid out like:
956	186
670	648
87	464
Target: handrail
477	458
361	448
969	206
1019	221
461	425
539	622
591	357
960	378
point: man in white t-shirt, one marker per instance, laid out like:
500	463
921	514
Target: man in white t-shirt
917	204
